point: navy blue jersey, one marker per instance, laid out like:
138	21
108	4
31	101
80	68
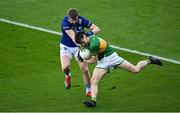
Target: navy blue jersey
66	25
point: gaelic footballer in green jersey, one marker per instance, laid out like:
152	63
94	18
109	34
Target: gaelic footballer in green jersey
106	59
100	47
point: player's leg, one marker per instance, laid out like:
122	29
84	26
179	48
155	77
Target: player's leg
65	58
98	73
86	77
65	65
133	68
140	65
84	68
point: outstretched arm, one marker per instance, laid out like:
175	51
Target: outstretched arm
95	29
71	34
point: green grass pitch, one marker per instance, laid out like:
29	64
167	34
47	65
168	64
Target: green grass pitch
30	75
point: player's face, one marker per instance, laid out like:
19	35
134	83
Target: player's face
72	21
85	41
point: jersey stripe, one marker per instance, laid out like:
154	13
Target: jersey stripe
102	45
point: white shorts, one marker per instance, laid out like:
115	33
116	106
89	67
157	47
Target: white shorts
110	62
68	51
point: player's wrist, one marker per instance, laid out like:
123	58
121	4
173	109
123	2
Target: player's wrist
89	33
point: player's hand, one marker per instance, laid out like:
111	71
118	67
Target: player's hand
79	57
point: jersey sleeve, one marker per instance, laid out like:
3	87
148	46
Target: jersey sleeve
86	22
65	25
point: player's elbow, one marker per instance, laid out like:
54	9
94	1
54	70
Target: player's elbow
98	29
95	29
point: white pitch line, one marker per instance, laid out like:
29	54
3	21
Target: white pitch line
116	47
146	54
29	26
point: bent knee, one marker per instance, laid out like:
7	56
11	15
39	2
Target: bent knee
135	70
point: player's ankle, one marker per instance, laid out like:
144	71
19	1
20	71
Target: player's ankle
69	75
148	61
93	99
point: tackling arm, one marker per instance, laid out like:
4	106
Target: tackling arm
94	29
71	34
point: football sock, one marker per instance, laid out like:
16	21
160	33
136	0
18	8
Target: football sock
68	75
67	72
88	88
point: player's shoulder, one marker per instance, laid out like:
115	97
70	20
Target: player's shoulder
94	40
65	20
82	18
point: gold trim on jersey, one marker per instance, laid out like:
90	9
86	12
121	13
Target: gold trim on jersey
102	45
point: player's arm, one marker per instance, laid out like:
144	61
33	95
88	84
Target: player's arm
95	29
68	29
92	27
71	34
92	60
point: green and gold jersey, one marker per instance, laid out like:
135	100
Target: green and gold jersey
100	47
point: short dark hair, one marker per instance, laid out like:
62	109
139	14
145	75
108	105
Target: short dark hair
73	13
79	36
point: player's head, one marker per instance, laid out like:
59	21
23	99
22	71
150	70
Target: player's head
81	38
73	15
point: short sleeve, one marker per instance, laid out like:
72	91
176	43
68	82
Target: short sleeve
86	22
65	25
94	48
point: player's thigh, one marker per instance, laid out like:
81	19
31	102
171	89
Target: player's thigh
65	61
127	66
98	73
65	56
